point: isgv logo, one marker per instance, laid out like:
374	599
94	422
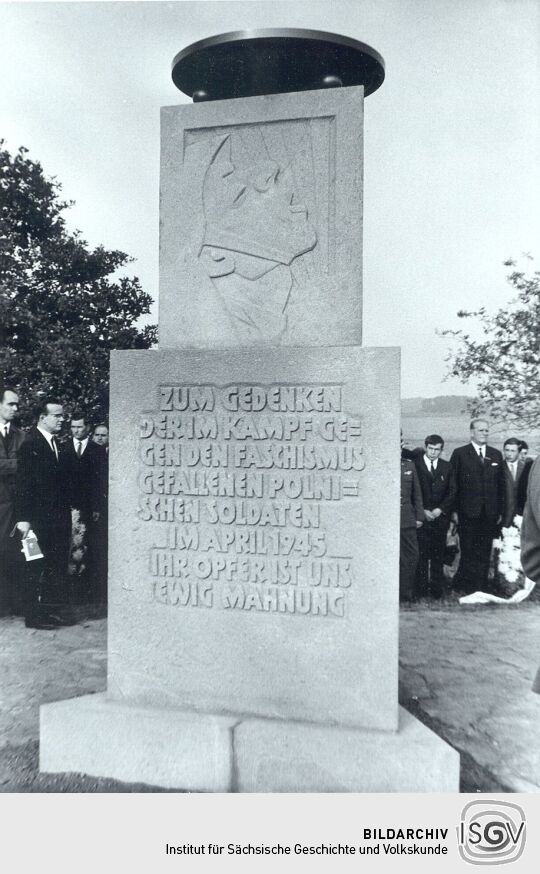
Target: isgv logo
491	832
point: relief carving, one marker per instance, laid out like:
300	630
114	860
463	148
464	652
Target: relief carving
254	229
264	229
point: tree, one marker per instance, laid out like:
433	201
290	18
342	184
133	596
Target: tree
62	309
506	361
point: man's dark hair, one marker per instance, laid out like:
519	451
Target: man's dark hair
41	406
523	445
512	441
100	425
434	440
3	389
79	416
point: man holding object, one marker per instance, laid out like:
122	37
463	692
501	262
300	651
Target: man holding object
42	505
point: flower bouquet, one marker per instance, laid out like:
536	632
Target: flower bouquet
514	586
510	573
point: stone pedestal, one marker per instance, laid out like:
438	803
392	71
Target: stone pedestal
199	752
254	503
249	574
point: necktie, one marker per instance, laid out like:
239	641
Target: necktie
54	446
481	454
432	469
79	448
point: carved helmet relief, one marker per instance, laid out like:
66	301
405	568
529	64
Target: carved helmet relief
254	229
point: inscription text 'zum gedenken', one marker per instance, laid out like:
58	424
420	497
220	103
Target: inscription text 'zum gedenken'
238	477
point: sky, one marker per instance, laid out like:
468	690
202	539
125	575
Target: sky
451	178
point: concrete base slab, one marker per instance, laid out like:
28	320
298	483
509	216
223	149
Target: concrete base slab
203	752
108	738
293	757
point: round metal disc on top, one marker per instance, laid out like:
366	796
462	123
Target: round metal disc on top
249	63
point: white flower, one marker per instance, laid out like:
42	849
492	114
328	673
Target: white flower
510	554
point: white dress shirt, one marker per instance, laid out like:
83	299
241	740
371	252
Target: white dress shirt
513	468
84	444
480	449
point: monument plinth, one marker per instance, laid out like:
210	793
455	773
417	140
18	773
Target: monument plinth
254	505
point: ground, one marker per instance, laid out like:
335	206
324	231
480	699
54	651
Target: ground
464	671
467	673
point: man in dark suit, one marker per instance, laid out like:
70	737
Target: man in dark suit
480	490
523	482
438	495
514	468
11	440
101	437
42	505
86	461
412	516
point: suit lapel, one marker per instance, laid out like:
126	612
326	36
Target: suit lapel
13	442
441	470
473	454
18	438
47	449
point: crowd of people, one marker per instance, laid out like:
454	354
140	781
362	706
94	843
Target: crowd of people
477	494
53	511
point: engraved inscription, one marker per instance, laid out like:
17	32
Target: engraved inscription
237	480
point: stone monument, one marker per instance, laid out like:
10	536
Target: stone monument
254	540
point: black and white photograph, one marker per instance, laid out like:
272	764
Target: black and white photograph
269	413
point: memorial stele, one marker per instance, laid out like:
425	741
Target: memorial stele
254	500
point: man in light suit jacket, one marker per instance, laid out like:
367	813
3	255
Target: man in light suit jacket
438	495
480	494
42	505
514	468
530	535
11	440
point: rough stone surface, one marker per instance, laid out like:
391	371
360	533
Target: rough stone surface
168	748
317	643
261	221
288	757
